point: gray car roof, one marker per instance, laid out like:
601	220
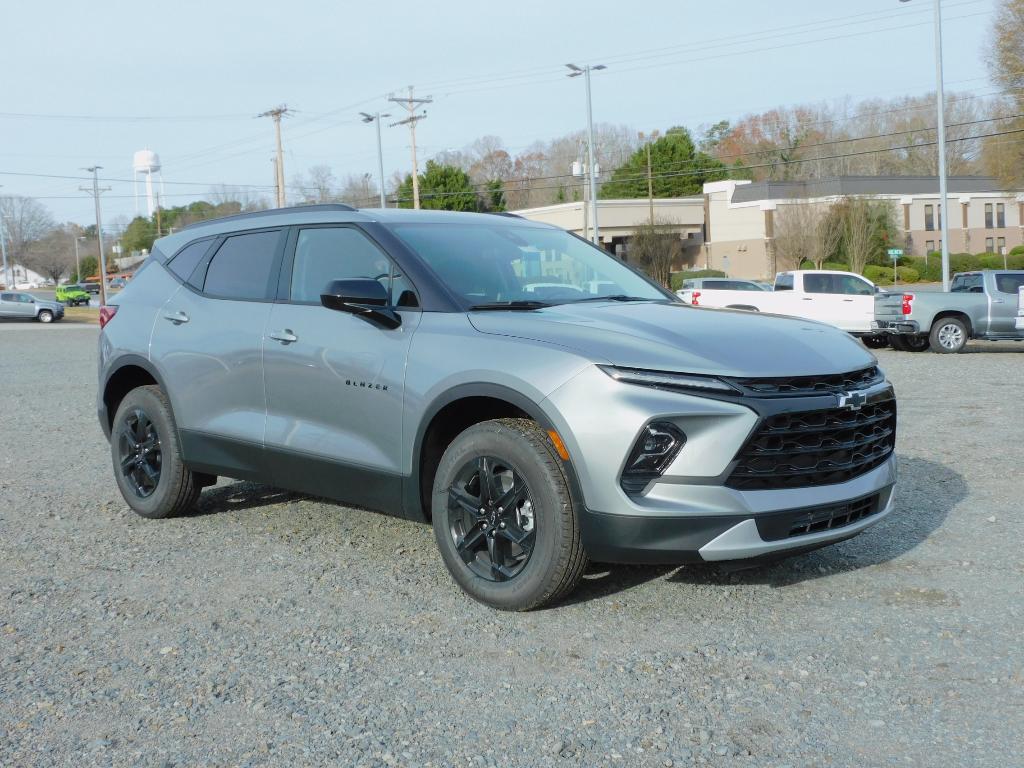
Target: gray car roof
314	214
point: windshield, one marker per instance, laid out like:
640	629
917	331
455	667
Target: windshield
490	263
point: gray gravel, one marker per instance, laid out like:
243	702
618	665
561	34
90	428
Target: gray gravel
270	629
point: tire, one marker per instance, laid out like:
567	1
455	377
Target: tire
536	534
45	316
875	342
157	484
916	343
949	335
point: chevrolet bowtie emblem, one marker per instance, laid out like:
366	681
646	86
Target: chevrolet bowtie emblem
852	400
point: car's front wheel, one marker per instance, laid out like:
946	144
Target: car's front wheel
147	459
45	316
504	516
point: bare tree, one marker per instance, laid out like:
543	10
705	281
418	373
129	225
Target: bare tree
25	221
827	233
859	230
53	254
655	248
359	190
794	239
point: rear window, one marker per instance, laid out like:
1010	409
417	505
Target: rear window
1009	283
241	268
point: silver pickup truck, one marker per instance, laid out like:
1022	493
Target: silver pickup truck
979	305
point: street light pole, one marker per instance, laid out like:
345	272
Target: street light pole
940	110
585	71
368	118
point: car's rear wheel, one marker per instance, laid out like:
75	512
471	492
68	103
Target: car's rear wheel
147	459
504	516
45	316
916	343
949	335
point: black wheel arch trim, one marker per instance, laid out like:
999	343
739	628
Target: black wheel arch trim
122	362
412	500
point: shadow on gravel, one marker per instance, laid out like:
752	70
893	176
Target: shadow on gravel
925	494
240	495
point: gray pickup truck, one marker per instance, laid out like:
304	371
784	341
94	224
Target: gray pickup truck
979	305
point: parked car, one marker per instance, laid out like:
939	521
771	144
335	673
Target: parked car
693	289
842	299
27	307
118	283
90	287
394	360
72	294
979	305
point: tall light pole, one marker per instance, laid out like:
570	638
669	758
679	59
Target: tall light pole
368	118
940	110
585	71
78	264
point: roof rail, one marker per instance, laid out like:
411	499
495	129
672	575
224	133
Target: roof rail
268	211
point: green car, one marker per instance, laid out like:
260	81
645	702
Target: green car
72	295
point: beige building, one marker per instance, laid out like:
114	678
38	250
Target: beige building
741	215
618	219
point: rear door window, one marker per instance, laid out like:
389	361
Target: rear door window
243	266
967	284
819	284
1009	283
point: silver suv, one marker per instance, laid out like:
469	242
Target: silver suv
398	360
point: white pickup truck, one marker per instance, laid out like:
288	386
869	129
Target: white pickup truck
843	299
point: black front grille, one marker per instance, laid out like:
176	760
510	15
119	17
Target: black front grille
813	385
816	519
796	450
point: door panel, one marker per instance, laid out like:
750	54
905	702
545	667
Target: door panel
208	351
336	391
1003	293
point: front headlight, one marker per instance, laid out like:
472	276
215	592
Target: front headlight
669	380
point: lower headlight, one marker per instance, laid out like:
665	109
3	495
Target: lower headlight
656	448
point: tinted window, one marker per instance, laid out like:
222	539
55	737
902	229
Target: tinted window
854	286
328	253
966	284
716	285
1009	283
784	283
6	297
241	267
187	259
818	284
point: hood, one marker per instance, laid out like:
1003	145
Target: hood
676	337
49	304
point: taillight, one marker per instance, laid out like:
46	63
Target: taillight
907	299
694	298
107	312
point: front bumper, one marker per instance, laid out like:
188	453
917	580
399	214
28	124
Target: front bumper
895	326
845	511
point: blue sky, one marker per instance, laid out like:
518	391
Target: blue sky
204	69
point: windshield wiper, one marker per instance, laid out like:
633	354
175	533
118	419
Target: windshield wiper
613	297
525	305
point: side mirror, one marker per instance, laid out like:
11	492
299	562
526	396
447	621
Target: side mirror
364	297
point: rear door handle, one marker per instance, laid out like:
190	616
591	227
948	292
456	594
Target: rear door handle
998	301
847	299
176	317
807	298
285	337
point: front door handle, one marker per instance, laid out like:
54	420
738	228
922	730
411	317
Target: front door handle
176	317
285	337
847	299
807	298
998	301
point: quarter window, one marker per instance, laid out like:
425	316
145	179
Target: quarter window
1009	283
188	257
242	266
325	254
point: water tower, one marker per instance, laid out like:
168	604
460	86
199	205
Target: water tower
146	162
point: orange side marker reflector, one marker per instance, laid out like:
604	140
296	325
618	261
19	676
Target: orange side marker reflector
559	445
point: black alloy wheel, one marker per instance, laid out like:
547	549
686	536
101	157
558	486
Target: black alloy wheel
139	453
491	518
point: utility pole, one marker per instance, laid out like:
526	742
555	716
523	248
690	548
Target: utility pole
650	178
78	263
3	250
410	105
277	113
585	71
95	192
368	118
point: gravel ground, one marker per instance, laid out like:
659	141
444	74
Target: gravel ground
272	629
